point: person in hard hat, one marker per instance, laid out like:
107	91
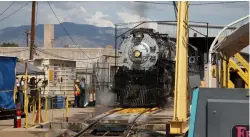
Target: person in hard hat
77	93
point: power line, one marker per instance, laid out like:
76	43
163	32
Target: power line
193	4
150	2
212	3
49	53
14	12
67	32
7	8
54	55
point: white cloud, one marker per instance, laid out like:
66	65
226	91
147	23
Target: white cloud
99	20
83	9
128	17
91	12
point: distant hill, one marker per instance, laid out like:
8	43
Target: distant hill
82	34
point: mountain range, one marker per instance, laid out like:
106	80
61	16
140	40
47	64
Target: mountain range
83	35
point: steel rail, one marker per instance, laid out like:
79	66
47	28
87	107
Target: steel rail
82	132
127	134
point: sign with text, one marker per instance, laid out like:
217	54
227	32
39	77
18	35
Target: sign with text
240	131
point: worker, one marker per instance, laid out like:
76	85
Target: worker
19	94
34	91
77	93
82	92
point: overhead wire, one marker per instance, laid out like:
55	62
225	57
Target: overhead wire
214	3
54	55
67	32
51	54
193	4
175	10
14	11
7	8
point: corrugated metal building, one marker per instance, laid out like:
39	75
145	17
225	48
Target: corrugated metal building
196	29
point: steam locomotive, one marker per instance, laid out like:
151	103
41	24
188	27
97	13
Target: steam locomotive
147	74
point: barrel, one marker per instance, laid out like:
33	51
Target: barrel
60	102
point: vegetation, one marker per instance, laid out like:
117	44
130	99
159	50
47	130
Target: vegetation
9	44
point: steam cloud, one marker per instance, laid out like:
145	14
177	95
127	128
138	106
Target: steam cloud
105	97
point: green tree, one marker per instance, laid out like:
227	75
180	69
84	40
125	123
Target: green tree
9	44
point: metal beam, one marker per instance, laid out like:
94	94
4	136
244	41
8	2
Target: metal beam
179	124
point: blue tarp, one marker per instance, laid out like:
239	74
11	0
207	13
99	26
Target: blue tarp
7	81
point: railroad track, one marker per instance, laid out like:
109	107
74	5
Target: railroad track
82	132
97	128
130	129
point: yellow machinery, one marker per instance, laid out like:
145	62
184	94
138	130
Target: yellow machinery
179	124
230	64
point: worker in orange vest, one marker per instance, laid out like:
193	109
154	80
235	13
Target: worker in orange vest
77	93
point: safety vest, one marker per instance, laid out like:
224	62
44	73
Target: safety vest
77	92
91	97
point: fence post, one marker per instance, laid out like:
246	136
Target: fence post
33	110
67	107
46	108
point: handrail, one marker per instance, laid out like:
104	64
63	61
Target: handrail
241	73
212	48
242	61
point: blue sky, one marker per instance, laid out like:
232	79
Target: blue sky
105	14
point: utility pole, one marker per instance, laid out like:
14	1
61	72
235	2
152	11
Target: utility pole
32	34
27	37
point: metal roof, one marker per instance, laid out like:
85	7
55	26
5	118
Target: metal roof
32	70
199	29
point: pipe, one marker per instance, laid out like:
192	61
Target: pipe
217	71
212	48
221	72
25	95
39	107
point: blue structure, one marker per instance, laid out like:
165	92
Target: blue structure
7	82
219	112
60	102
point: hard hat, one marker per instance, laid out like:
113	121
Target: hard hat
77	80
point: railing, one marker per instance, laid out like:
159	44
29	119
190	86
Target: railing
223	34
41	106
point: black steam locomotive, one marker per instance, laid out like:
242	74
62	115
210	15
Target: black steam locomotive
147	74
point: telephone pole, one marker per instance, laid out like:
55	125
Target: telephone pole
27	37
32	34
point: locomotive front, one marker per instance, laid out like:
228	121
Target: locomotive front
145	77
139	51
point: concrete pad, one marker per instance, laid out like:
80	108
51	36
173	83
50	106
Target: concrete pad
57	115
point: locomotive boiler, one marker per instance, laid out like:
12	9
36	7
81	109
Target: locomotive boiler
146	75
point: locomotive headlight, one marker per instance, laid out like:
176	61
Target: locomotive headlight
137	53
